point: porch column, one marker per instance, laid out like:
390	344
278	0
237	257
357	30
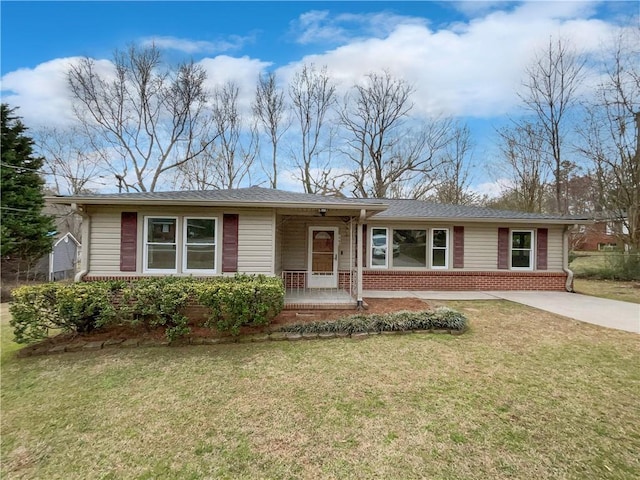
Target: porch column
360	303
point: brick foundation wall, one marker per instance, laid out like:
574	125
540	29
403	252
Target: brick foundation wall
433	280
452	280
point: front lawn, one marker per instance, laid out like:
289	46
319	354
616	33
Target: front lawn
625	291
524	394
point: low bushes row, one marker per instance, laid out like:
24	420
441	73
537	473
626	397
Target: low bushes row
233	302
440	318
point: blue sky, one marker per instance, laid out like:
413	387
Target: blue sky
466	59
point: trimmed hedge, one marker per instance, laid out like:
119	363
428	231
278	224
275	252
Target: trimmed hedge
440	318
77	308
148	302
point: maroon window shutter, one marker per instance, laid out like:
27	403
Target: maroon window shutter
128	241
230	242
458	247
541	248
503	248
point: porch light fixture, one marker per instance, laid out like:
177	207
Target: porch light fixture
323	211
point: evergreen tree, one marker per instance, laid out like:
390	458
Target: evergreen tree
25	231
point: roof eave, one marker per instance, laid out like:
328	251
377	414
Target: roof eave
218	203
523	221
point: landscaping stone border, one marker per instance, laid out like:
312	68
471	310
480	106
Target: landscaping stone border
112	344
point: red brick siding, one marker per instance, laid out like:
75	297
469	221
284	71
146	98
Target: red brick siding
456	280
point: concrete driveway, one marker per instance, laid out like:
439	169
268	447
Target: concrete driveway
599	311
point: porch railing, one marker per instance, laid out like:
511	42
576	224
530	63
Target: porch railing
295	281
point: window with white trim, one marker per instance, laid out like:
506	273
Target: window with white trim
439	248
409	248
199	245
160	244
522	249
379	247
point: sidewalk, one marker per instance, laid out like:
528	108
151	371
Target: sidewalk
599	311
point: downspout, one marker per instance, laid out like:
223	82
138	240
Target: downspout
84	241
359	300
565	259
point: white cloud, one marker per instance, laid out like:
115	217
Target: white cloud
242	71
233	42
471	68
42	93
493	189
318	26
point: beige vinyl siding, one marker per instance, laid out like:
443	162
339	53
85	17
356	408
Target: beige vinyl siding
481	242
554	249
481	247
255	241
104	255
255	237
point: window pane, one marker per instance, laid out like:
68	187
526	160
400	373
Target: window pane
201	257
161	257
440	238
201	230
409	248
439	257
378	247
521	258
521	240
161	230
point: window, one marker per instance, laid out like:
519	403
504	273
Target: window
409	248
522	250
439	248
378	248
197	237
199	251
160	244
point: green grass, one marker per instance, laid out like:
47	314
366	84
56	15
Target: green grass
523	394
625	291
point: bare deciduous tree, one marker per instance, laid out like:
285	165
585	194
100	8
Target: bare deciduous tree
390	158
454	172
153	119
612	136
71	160
235	149
312	95
523	148
270	110
550	91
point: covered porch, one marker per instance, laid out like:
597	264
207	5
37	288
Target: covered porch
317	252
298	295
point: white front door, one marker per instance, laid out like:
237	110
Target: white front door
323	257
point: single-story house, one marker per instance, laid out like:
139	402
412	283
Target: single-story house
319	243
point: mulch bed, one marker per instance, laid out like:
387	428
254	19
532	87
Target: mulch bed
286	317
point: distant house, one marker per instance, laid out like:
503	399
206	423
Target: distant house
320	243
599	235
63	258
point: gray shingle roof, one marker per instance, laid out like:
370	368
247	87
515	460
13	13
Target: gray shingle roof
404	209
255	195
392	208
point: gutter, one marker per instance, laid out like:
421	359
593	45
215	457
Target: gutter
86	231
565	259
359	246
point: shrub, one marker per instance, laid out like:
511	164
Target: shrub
440	318
616	266
68	307
243	300
154	302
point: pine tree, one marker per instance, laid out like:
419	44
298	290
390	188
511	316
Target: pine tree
26	234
